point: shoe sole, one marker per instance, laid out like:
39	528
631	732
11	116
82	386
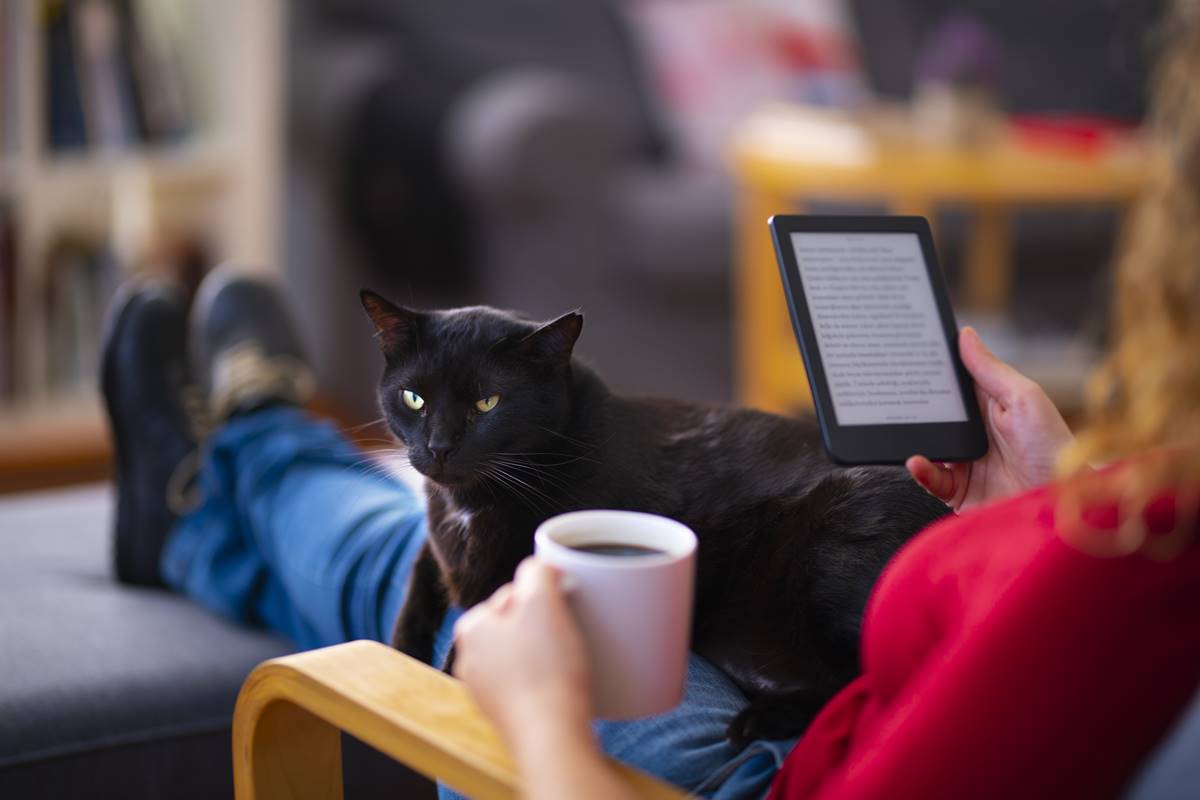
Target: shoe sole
114	325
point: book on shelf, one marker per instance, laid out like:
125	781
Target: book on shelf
81	277
156	33
9	125
8	303
105	75
113	75
64	99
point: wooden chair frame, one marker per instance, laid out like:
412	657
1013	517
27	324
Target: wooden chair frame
286	741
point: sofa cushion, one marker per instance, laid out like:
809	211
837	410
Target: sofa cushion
114	691
92	667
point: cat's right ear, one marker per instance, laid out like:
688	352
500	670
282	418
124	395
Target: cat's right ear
553	342
395	326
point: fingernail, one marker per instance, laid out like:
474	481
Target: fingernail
979	340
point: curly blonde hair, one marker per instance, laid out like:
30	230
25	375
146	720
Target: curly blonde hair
1146	395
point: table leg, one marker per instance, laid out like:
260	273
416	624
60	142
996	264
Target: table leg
769	373
988	276
917	205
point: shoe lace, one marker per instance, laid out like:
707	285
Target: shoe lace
245	374
199	418
183	489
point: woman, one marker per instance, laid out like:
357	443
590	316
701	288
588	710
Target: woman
1040	643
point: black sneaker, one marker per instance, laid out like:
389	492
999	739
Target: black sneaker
244	346
145	380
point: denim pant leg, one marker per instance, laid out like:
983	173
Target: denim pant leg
297	530
685	746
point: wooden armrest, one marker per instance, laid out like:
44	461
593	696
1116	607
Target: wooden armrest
286	741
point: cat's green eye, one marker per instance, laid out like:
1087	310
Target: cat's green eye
412	400
488	403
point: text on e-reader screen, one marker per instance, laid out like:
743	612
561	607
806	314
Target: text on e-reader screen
882	345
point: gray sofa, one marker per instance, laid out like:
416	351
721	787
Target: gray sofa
108	691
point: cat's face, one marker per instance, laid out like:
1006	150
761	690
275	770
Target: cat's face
466	386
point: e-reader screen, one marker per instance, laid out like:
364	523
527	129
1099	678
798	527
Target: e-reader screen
880	338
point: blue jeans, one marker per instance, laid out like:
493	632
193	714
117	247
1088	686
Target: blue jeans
299	531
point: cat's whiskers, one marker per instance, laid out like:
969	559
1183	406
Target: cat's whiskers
533	490
587	447
542	470
387	444
566	459
498	470
491	477
491	489
503	480
353	429
569	439
378	451
382	461
368	468
385	448
535	471
546	470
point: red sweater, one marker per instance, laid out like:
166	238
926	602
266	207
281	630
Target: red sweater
999	661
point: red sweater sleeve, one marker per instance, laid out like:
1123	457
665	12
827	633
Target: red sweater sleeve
1059	690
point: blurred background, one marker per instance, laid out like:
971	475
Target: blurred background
542	155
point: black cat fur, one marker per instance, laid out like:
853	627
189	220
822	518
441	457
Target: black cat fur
789	545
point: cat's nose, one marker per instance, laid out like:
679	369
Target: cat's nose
441	451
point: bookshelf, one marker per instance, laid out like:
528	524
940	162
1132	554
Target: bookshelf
145	189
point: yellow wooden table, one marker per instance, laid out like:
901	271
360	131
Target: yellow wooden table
785	156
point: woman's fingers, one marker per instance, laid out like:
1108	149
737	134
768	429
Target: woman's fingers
499	603
469	619
937	479
993	376
501	599
534	577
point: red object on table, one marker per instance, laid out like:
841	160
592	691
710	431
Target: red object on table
1084	133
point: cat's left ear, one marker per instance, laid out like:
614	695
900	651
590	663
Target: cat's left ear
395	326
554	342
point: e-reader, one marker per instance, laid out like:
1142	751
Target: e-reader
873	318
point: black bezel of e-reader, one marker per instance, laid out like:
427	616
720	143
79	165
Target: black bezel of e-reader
877	444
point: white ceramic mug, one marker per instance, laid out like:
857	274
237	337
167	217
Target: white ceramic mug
635	611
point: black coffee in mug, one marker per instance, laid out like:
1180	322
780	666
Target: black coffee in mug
617	549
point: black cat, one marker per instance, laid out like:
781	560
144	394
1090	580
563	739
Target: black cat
510	430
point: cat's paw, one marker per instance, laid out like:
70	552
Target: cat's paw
770	718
